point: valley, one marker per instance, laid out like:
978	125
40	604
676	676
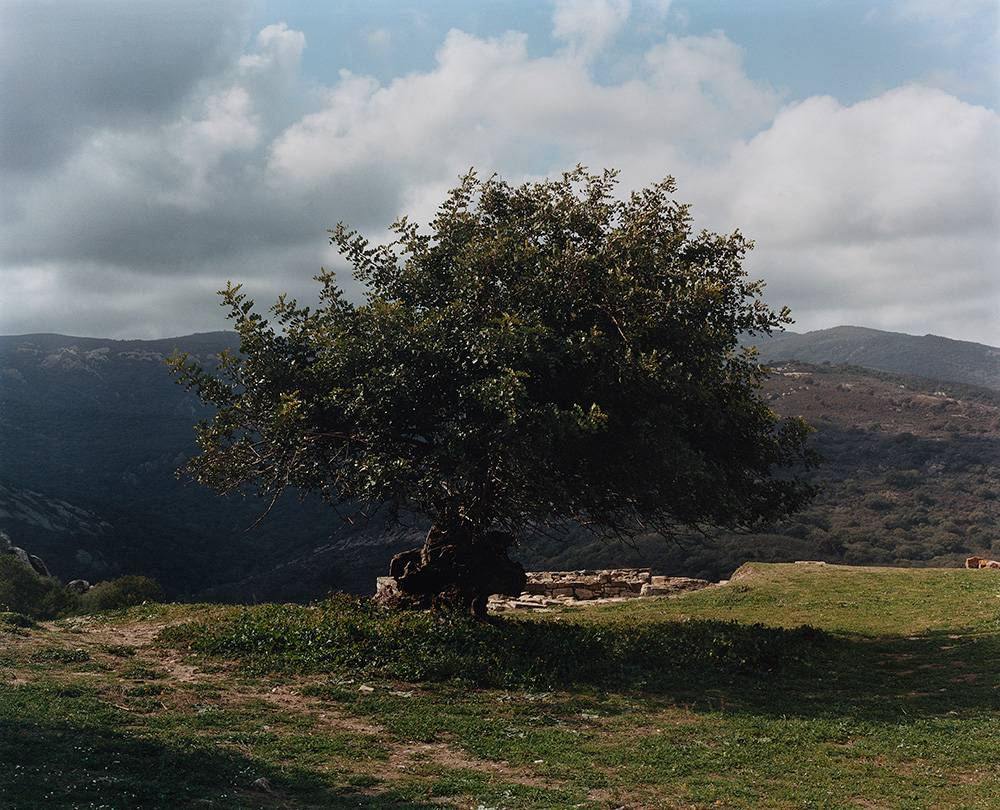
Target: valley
93	430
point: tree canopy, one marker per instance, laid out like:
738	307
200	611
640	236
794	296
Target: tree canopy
543	355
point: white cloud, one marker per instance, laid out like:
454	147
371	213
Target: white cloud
487	103
278	48
588	25
885	212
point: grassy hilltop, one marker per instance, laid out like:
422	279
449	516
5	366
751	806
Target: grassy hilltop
713	699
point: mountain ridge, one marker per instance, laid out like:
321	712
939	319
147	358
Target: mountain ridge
930	356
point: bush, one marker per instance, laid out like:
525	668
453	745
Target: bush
15	621
121	593
23	591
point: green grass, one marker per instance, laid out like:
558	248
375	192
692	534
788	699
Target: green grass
874	602
715	699
351	636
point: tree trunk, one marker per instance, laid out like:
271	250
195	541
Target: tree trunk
457	568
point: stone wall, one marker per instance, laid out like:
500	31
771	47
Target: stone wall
608	583
546	589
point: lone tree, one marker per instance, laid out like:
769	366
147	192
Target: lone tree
546	355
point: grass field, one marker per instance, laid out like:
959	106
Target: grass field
713	699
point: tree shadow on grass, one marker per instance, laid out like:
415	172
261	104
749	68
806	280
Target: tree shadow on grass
890	680
704	663
805	673
63	765
758	669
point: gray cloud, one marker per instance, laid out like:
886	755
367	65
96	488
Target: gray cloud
69	67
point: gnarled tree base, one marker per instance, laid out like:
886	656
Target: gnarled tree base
457	568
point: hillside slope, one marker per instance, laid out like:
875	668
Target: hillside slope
910	475
92	432
925	356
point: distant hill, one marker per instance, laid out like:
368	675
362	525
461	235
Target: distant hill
927	356
910	476
91	432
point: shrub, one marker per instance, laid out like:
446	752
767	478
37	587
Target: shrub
24	591
121	593
15	621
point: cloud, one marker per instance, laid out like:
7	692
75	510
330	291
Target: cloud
882	213
472	109
66	68
588	25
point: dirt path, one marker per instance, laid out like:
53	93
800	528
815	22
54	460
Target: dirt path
125	646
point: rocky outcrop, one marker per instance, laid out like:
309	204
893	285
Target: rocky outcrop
30	561
607	584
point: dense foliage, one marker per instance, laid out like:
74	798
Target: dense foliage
546	355
25	592
123	592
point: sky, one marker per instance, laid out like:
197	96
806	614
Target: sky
151	151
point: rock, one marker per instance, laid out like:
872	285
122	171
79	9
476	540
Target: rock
78	585
29	561
262	784
583	593
979	562
386	590
40	567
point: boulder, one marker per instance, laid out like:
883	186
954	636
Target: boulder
78	585
30	561
979	562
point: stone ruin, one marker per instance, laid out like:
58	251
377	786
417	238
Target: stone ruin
560	588
551	589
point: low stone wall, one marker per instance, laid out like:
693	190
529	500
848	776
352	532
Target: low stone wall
606	584
547	589
555	588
